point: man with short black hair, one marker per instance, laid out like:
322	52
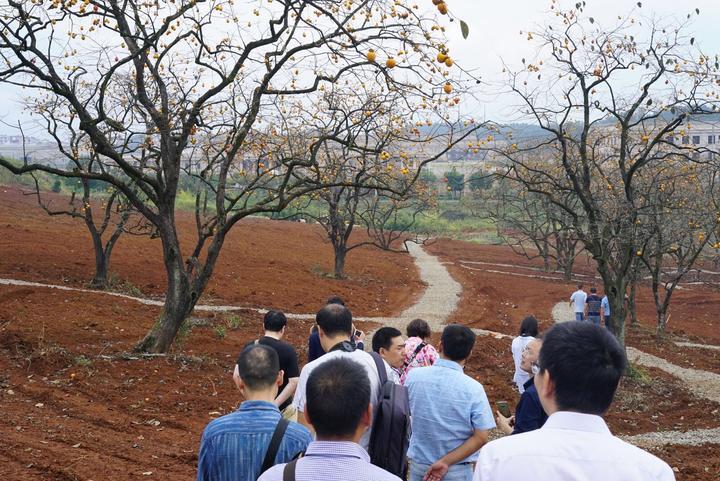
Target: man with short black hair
390	344
593	303
451	415
275	323
339	407
579	370
334	323
235	447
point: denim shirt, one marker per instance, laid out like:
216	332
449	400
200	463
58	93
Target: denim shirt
447	407
233	446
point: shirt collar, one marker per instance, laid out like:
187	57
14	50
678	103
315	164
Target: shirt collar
577	422
337	448
253	405
447	363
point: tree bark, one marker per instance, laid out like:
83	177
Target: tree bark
102	263
179	296
340	254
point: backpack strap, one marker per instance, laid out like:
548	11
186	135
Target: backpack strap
415	353
289	470
380	364
274	444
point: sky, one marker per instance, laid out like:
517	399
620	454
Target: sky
495	36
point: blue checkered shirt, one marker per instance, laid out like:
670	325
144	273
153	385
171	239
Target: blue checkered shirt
233	446
332	461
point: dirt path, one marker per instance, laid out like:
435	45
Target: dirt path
441	295
437	302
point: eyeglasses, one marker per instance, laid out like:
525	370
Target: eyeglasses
535	367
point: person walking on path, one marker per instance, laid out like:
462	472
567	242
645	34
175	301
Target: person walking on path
529	413
418	350
577	302
237	446
580	367
451	416
592	307
275	324
340	410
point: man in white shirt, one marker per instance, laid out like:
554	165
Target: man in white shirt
389	343
335	328
580	367
577	302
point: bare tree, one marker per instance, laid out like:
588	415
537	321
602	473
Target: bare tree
609	100
228	94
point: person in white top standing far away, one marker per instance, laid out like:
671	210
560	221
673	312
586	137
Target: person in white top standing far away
577	302
579	368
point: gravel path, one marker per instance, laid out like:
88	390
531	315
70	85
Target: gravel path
699	346
686	438
441	295
702	383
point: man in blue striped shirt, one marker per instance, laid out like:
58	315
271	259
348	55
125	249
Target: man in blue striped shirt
233	446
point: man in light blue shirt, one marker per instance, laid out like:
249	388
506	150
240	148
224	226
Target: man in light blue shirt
234	446
605	311
451	415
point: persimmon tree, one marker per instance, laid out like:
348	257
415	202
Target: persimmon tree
228	94
611	101
679	212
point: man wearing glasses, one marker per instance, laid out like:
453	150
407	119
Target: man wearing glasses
580	367
529	413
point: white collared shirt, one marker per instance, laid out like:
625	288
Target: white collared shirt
570	446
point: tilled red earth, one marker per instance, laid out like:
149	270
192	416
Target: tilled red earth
77	406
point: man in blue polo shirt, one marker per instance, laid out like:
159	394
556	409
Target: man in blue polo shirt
234	446
451	416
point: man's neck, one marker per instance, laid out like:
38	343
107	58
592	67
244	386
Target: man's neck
273	334
267	395
335	340
461	363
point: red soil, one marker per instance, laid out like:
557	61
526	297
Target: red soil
75	407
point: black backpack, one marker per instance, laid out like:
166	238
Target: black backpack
391	429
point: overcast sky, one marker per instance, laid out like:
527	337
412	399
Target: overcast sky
494	35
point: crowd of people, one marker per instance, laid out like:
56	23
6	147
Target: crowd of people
406	409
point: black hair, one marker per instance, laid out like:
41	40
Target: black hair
585	362
418	328
529	326
274	321
335	300
258	366
334	319
383	338
338	393
579	285
593	290
457	342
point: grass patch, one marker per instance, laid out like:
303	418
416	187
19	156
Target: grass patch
637	374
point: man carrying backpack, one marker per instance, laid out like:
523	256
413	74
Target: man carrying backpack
391	421
451	413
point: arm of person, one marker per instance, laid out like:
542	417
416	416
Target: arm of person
288	391
471	445
504	424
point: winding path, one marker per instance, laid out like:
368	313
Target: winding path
435	305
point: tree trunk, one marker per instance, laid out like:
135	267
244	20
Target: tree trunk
102	263
179	299
340	254
632	304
